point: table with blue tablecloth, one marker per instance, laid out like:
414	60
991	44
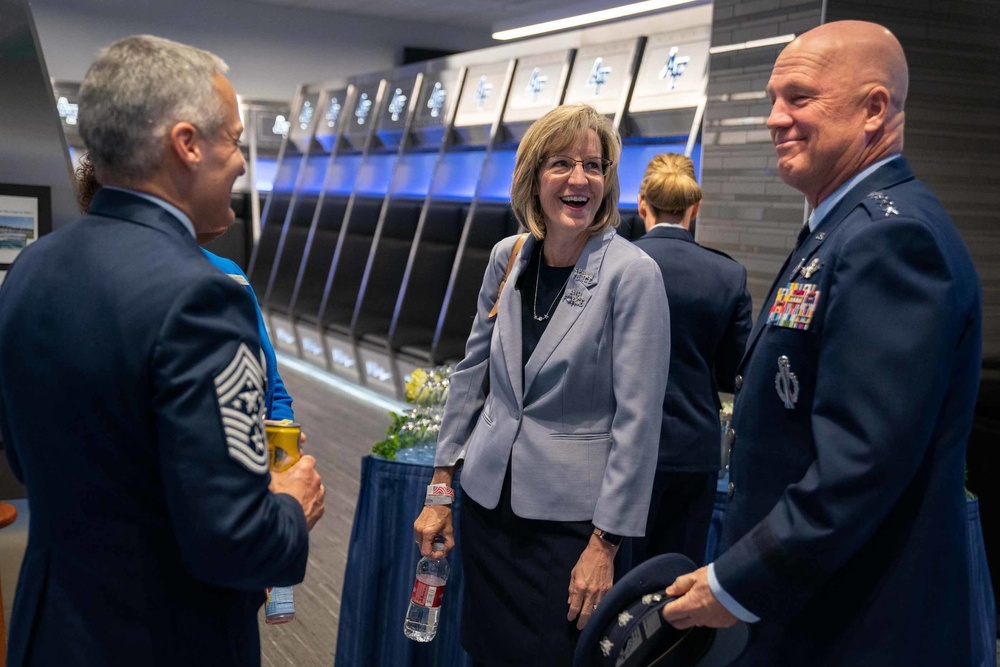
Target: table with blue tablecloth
381	562
382	557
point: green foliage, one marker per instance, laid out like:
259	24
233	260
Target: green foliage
397	437
428	391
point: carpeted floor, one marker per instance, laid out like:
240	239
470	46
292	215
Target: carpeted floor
340	431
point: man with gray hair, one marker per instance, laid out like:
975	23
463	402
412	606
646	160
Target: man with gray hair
131	393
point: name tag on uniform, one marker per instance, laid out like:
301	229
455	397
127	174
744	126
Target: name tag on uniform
794	306
238	278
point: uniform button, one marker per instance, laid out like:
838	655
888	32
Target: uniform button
739	382
731	436
732	488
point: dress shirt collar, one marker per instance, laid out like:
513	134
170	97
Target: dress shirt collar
816	218
667	224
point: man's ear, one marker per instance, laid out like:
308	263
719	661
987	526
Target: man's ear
183	138
876	109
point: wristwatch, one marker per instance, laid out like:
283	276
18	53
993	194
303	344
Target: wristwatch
610	538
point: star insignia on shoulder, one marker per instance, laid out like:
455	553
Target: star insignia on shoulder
624	618
884	203
606	647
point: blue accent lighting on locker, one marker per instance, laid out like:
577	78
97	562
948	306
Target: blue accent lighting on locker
412	178
495	183
374	174
340	177
315	170
457	174
284	180
265	169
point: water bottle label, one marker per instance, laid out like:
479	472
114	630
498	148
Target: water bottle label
426	595
279	601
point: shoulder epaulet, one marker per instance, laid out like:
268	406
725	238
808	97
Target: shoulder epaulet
880	205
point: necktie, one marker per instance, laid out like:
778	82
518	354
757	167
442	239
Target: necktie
803	235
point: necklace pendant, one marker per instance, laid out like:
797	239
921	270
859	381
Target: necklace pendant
542	318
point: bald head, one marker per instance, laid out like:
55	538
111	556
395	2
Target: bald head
838	93
866	51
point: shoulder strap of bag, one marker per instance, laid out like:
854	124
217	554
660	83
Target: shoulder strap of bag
510	265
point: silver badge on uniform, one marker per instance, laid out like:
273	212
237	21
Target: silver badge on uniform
811	268
786	382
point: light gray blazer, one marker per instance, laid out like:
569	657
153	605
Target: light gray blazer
582	433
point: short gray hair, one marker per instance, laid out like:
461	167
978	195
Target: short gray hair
136	90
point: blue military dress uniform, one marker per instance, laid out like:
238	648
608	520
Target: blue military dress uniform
846	523
710	318
131	401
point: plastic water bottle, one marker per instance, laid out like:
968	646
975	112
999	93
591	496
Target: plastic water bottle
425	602
280	606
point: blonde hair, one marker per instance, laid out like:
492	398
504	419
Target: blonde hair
669	186
554	132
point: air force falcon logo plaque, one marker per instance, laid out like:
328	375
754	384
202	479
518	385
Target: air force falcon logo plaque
240	392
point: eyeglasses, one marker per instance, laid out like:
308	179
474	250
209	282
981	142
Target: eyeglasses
561	165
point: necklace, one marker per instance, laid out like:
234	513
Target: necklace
534	305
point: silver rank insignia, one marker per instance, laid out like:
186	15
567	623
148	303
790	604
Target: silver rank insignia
886	205
786	382
574	297
240	391
624	618
606	647
811	268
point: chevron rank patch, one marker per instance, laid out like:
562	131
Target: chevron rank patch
240	390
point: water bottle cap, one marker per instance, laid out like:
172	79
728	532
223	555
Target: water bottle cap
438	544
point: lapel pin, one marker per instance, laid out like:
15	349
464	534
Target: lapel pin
583	277
574	297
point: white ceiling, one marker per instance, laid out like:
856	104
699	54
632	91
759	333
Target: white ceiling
480	14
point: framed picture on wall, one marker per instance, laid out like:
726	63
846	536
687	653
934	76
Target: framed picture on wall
25	215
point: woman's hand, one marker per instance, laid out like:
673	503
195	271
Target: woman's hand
591	579
436	520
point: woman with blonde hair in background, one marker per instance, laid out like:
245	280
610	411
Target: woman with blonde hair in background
710	317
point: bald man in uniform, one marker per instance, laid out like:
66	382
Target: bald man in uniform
844	540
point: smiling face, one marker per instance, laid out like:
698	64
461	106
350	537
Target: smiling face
221	165
818	119
570	201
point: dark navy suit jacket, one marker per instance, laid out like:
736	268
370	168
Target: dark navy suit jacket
131	395
710	316
846	525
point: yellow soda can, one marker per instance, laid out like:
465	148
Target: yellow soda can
283	444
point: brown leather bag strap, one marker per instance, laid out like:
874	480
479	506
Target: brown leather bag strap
510	265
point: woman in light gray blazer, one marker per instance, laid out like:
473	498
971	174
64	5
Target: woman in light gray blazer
556	408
